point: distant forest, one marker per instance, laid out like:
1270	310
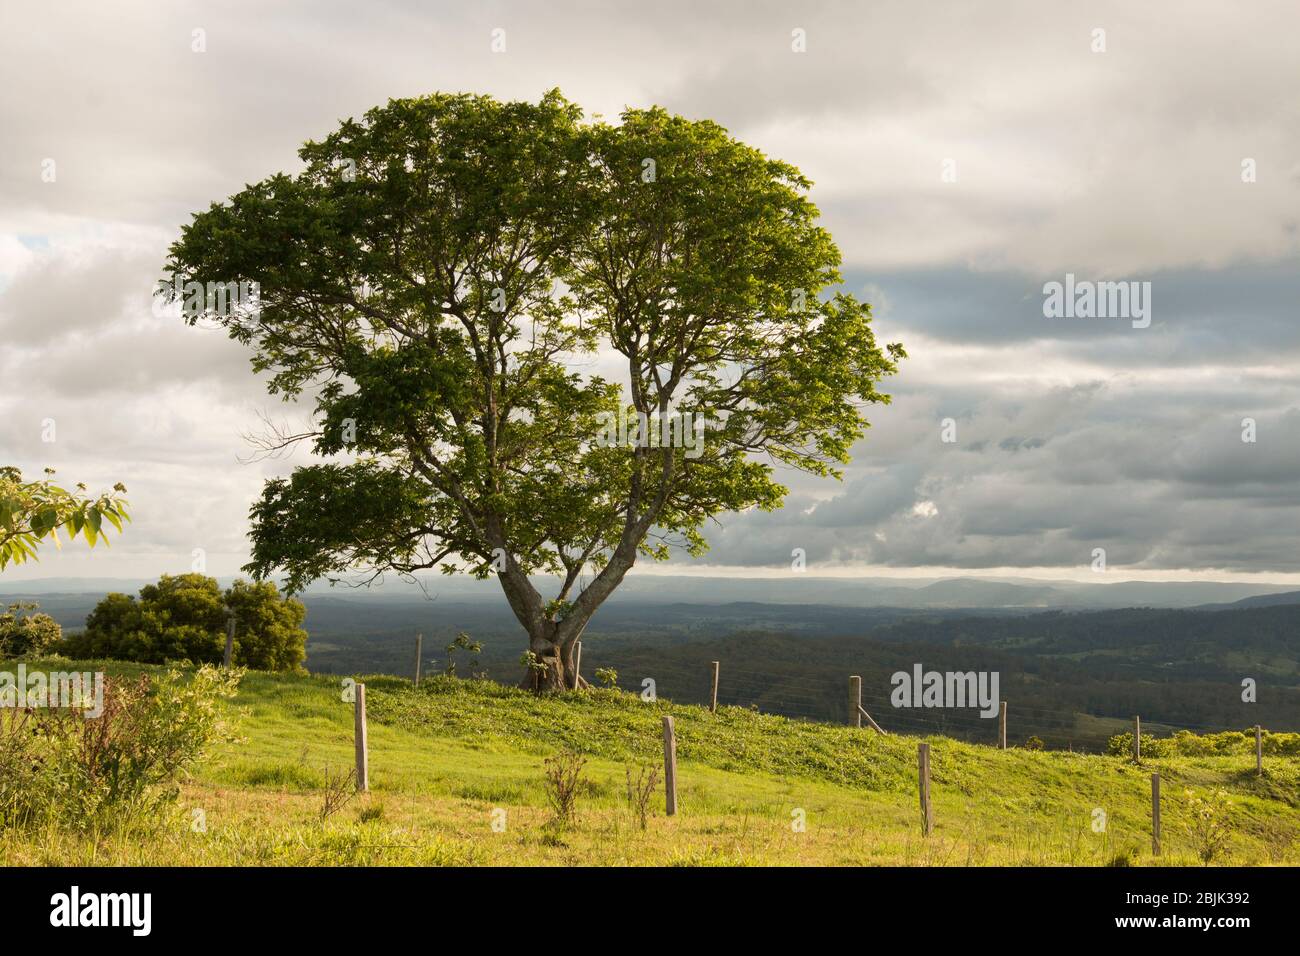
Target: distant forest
1071	679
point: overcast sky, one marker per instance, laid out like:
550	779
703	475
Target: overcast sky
964	155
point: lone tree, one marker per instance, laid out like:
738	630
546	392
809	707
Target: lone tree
444	279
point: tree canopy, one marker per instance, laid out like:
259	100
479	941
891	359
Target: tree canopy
25	631
185	617
470	291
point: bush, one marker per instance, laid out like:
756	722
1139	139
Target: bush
24	634
1226	743
62	767
1208	823
185	618
463	642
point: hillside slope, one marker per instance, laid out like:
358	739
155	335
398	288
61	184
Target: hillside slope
447	758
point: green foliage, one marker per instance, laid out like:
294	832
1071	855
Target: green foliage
443	756
607	676
445	303
1185	743
1207	823
268	629
532	664
185	618
24	634
1125	856
462	642
59	766
32	511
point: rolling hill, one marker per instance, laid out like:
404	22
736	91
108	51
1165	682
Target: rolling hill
452	757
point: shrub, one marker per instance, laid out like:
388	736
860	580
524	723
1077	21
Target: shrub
1184	743
1124	856
1208	823
20	767
463	642
24	632
89	772
185	618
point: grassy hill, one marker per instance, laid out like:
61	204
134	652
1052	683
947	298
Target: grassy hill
1072	679
445	756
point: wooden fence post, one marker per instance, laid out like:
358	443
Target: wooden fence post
419	652
230	643
1259	749
1155	814
855	701
862	712
1002	727
670	768
923	772
577	664
1137	739
359	736
713	699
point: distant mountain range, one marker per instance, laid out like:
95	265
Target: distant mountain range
1258	600
945	593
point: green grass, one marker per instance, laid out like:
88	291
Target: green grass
447	756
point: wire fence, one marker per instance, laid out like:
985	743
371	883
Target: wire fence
826	700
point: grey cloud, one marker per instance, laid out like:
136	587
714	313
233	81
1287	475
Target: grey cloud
64	292
1155	480
1072	434
1246	312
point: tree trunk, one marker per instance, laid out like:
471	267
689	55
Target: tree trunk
552	646
551	641
548	672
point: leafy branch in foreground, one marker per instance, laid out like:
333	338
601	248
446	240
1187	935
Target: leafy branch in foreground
32	511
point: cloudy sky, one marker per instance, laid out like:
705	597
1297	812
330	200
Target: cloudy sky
964	155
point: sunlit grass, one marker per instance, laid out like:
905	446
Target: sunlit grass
448	757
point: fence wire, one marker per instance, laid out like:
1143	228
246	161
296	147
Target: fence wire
827	701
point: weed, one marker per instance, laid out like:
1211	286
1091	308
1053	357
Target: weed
640	791
563	777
